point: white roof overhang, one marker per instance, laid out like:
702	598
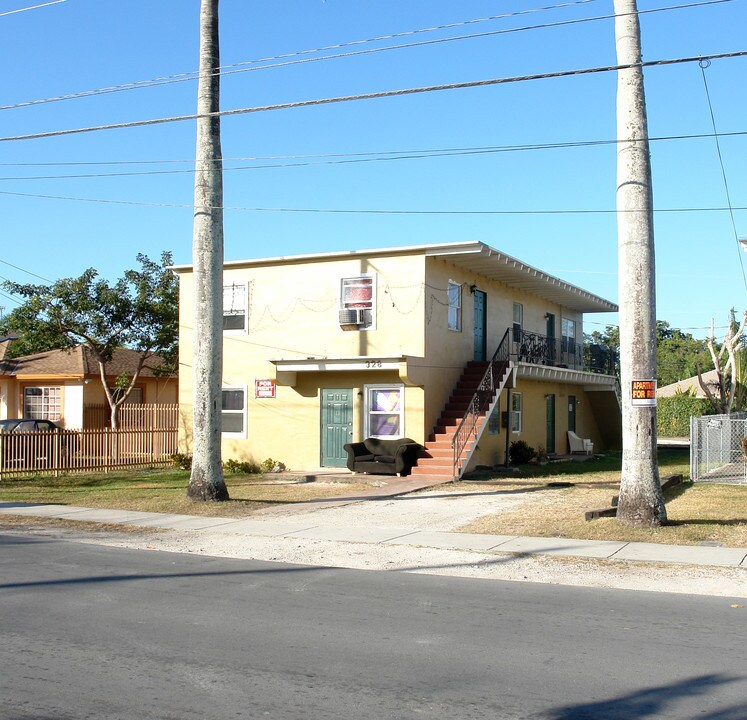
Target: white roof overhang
475	257
479	258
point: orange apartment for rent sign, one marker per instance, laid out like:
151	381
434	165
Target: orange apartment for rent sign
643	393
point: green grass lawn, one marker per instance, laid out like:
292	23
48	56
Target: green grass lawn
702	512
165	491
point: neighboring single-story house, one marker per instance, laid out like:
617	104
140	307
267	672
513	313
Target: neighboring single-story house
62	385
688	385
327	348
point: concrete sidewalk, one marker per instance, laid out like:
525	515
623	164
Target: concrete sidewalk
312	529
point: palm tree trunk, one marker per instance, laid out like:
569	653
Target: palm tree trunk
206	481
641	501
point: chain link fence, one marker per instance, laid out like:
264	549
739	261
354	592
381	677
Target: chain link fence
716	450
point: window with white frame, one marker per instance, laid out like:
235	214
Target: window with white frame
235	307
568	332
42	403
358	300
385	411
516	412
134	398
518	321
454	294
233	411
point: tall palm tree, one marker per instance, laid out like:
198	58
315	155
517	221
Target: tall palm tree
641	501
206	481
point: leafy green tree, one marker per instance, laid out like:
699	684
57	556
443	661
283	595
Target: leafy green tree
678	354
139	311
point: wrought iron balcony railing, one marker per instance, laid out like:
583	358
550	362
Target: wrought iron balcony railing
537	349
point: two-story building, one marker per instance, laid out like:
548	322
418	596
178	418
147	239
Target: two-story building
327	348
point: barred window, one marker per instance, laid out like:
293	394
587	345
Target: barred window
42	403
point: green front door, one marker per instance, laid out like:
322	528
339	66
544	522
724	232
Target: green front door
572	413
480	314
550	434
337	426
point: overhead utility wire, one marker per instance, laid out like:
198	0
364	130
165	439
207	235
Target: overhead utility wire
703	65
337	211
374	155
375	95
32	7
239	67
5	262
350	159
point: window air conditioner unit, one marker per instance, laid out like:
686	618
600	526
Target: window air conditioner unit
352	316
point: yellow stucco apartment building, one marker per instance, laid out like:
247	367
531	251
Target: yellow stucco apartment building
324	349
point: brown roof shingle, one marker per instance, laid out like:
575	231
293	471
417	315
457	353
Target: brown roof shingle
77	362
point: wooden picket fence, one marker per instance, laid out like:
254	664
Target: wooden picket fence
133	415
83	451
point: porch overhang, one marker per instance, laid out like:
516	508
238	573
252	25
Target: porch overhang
589	380
286	371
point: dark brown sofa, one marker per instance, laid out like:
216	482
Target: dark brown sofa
383	457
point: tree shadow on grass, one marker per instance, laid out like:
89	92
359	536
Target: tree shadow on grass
705	521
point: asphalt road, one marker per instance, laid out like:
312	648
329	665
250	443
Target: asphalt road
97	632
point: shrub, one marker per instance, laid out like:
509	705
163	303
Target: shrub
521	452
181	461
240	467
271	465
673	414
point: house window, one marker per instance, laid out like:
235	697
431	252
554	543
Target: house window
233	411
42	403
234	307
518	321
134	398
455	306
357	296
494	421
568	331
385	410
516	412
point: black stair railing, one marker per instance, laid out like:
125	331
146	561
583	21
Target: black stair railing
486	390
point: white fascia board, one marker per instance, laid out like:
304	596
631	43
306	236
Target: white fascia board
338	364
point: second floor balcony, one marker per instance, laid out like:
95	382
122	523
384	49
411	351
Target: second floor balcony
536	349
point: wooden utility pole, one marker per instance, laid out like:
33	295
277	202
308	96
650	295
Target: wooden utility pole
206	481
641	501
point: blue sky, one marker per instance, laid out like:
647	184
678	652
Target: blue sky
500	198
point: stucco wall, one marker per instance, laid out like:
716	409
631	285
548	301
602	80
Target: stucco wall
293	316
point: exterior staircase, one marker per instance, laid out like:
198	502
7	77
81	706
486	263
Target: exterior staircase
437	460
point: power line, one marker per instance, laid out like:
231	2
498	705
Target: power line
32	7
376	95
240	67
28	272
344	158
703	65
358	211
